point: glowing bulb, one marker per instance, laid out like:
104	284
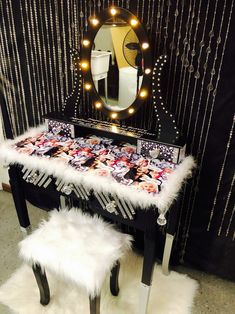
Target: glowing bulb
114	115
98	105
84	65
147	71
134	22
145	45
87	86
86	42
113	11
131	110
143	93
95	22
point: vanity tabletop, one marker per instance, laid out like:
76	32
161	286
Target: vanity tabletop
100	164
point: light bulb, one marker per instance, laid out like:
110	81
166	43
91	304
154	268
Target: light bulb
87	86
95	22
113	11
143	93
114	115
133	22
145	45
84	65
98	105
86	42
147	71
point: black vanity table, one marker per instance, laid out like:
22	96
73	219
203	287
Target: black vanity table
30	177
37	176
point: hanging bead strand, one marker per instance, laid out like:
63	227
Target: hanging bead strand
19	72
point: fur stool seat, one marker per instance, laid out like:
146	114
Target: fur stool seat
77	247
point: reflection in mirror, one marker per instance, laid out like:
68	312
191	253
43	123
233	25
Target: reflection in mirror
116	64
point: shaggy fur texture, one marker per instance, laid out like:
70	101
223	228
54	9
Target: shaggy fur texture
162	201
77	247
171	294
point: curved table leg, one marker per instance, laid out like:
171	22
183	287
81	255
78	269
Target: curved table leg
114	286
42	283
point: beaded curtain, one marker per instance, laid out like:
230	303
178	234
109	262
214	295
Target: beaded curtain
36	74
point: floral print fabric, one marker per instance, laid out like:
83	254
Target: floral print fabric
105	157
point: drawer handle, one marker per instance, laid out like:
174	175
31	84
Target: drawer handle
31	178
67	189
111	207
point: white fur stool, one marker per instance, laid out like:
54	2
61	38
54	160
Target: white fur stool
79	248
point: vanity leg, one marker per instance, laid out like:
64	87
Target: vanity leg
26	231
148	267
167	253
170	234
19	199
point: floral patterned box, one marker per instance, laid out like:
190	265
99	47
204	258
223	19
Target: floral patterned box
161	151
60	128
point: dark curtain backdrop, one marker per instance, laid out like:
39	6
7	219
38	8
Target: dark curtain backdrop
36	74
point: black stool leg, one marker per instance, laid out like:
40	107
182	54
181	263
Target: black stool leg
42	284
114	287
94	305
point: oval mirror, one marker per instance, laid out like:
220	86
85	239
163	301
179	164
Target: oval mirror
116	62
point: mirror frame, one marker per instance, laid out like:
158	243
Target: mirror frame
95	24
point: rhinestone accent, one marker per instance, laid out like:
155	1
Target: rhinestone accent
111	207
31	178
161	220
67	189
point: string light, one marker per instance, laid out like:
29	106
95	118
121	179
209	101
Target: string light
86	42
98	105
94	22
145	45
84	65
113	11
147	71
143	93
133	22
114	115
88	86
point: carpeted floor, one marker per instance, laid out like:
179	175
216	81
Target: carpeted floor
169	294
215	295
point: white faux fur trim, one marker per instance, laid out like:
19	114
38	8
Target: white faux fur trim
143	199
76	246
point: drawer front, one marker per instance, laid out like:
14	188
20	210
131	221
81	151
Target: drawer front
44	192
